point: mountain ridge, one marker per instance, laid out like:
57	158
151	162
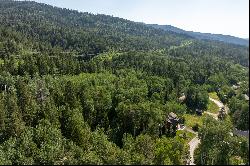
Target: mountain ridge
38	27
82	31
204	36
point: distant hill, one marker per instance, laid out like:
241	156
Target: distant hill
81	32
204	36
32	27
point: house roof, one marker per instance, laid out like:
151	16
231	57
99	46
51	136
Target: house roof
172	115
172	118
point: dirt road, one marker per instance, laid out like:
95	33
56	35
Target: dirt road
193	145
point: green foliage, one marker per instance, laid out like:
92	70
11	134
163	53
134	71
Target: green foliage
217	145
175	107
165	155
78	88
197	98
75	128
185	135
225	93
192	119
239	111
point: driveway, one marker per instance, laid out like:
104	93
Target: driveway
193	145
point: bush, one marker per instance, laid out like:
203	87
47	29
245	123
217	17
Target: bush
195	127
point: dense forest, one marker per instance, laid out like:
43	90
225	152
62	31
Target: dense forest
79	88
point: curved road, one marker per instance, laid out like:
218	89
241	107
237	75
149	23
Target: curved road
220	105
193	145
195	141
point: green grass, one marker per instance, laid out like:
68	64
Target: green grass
212	107
189	136
192	119
213	95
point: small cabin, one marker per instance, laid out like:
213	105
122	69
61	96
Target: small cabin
172	121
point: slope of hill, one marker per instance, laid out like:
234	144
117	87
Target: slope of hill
40	27
206	36
83	32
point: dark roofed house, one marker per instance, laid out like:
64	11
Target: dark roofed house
172	118
172	121
170	125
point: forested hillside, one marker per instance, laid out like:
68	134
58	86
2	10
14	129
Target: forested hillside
40	27
204	36
81	32
78	88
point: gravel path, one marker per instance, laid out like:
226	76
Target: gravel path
235	131
193	145
220	104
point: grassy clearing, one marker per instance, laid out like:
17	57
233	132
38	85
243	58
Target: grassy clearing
212	107
187	136
192	119
213	95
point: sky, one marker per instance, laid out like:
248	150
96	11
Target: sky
228	17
